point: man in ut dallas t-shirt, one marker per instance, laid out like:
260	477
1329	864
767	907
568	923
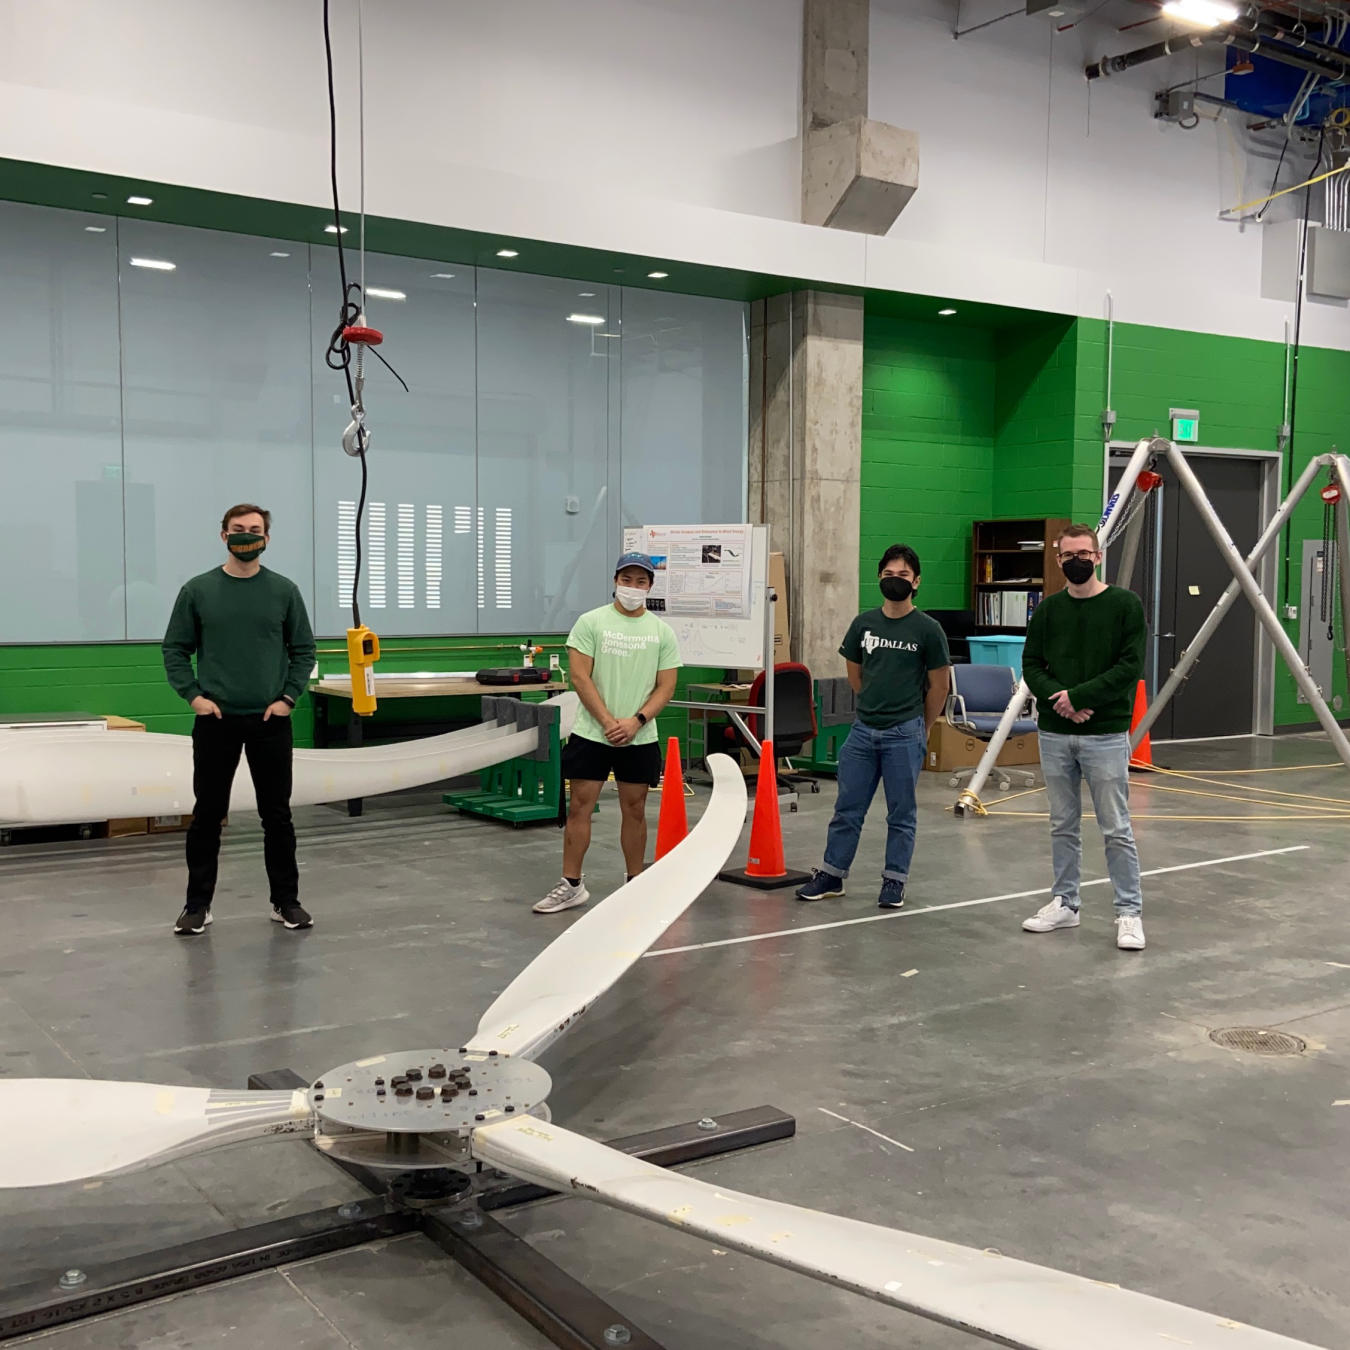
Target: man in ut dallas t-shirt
900	668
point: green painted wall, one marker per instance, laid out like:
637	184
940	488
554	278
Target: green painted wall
970	422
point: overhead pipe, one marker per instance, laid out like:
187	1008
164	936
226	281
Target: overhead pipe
1320	60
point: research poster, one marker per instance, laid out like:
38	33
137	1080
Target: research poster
700	569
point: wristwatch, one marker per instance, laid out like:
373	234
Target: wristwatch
288	700
642	719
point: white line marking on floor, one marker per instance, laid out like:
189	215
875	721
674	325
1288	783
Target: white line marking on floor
959	904
275	1035
1340	965
868	1128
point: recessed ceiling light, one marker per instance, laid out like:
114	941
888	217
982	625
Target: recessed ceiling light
380	293
333	229
443	276
946	313
507	253
96	229
658	276
585	318
586	295
1202	13
278	255
140	201
154	264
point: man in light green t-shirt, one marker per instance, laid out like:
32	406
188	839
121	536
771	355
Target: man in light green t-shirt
622	661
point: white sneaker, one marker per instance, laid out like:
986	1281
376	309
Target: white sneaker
1049	917
1130	933
563	896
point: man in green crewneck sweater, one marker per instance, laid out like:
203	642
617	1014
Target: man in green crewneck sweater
250	633
1083	658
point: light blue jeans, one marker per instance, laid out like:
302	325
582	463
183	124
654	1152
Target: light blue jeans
893	757
1104	762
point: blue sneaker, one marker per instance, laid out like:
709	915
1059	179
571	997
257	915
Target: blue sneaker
892	894
822	886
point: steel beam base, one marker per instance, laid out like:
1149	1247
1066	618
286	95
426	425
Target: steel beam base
459	1221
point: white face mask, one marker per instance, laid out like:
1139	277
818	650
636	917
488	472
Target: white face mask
631	597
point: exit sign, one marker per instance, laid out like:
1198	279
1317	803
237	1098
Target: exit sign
1185	424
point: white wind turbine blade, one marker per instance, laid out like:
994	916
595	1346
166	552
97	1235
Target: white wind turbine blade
577	967
65	1129
48	777
1012	1302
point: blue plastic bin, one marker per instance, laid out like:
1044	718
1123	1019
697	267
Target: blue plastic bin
1001	650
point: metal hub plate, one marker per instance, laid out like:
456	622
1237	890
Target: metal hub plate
450	1092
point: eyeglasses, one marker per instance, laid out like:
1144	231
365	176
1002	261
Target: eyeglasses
1084	555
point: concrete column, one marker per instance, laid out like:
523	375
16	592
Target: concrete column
806	357
857	174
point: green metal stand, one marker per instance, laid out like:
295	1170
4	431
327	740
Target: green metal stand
835	704
522	790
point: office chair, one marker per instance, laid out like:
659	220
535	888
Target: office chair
978	698
794	721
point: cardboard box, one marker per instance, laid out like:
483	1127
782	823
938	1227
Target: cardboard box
949	749
782	629
168	824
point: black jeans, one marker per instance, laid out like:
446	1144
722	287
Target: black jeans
216	743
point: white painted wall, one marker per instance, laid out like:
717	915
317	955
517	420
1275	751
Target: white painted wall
669	127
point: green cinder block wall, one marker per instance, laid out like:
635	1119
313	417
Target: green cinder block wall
966	423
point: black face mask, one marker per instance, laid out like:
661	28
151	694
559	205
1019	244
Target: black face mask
1078	570
896	588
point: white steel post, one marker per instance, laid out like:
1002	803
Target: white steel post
769	661
1215	617
1342	467
969	800
1258	602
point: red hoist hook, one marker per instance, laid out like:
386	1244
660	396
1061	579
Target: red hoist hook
356	439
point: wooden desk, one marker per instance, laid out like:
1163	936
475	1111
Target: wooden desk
430	685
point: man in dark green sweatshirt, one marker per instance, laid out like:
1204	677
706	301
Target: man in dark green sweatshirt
1083	658
250	633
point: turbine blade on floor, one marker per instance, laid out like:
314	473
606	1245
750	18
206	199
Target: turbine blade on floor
65	1129
1013	1302
577	967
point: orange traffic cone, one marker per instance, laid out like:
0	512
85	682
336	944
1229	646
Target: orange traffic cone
673	824
766	869
1141	757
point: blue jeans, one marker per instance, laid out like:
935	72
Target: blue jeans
895	757
1104	761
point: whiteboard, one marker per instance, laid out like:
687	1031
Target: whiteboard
737	643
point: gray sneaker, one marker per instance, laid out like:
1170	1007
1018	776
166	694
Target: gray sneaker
563	896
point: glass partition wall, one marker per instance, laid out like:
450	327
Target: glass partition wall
152	375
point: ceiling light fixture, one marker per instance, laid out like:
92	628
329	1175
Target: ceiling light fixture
154	264
586	295
585	318
1201	13
96	229
140	201
278	255
380	293
507	253
658	276
333	229
946	313
442	276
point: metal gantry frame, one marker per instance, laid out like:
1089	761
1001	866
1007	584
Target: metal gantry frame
457	1218
1244	582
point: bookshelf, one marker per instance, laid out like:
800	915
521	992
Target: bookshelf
1012	570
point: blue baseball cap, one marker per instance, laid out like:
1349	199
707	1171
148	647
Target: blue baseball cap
636	560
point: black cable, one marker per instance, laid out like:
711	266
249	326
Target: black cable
1275	182
339	353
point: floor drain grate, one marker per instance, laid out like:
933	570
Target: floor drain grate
1258	1040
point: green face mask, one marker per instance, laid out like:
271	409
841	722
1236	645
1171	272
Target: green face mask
245	546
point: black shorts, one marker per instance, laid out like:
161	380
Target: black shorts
592	761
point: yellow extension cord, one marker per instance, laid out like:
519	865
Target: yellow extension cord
1294	809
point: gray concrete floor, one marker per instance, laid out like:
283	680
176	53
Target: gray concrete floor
1062	1099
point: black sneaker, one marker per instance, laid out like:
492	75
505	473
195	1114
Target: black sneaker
822	886
292	915
892	894
193	922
